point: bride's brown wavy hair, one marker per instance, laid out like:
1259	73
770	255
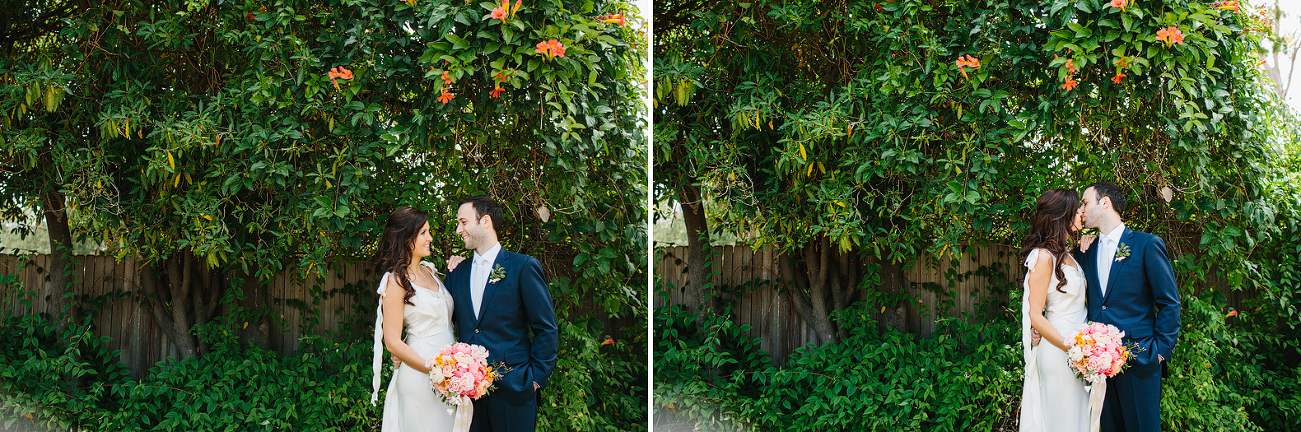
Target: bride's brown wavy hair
395	246
1051	227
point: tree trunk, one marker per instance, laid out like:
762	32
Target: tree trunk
809	292
205	298
179	290
158	297
822	281
698	295
184	297
56	221
1275	71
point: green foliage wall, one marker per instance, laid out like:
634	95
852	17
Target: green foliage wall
217	128
895	129
258	138
856	121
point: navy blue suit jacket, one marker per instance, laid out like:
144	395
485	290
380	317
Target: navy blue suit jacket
512	308
1141	299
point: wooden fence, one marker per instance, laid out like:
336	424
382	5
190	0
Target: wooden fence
979	282
130	325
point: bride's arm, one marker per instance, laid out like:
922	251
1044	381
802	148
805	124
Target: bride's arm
1039	279
393	304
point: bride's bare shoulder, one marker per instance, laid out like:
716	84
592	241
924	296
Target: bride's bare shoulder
1042	258
393	286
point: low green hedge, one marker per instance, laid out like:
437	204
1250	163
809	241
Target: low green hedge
323	386
965	377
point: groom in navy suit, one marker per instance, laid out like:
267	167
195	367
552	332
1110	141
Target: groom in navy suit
501	298
1130	286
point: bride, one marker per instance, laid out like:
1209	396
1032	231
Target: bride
1053	398
413	296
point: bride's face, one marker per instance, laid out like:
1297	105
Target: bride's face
420	245
1078	222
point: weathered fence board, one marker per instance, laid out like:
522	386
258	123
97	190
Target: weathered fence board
130	325
773	318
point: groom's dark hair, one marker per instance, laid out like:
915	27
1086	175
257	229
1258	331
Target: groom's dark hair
485	205
1110	190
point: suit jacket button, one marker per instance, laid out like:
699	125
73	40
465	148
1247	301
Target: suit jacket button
476	331
1103	308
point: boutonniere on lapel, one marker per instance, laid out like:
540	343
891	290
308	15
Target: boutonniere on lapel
1122	252
498	273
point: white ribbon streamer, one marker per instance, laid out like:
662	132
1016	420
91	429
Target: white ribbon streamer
464	413
1097	393
379	342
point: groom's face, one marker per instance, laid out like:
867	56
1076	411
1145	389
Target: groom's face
1089	206
469	226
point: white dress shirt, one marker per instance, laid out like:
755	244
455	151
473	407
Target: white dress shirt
1107	246
480	269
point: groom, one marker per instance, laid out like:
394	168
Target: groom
1130	286
502	297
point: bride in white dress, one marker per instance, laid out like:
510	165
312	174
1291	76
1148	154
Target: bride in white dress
411	296
1053	398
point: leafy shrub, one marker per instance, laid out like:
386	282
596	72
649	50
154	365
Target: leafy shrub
49	377
594	386
700	366
966	376
324	386
1197	394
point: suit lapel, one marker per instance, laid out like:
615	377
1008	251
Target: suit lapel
1115	266
460	285
1091	260
491	288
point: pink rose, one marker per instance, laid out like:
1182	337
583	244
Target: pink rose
464	383
1096	363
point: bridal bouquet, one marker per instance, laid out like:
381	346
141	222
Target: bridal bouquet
460	373
1098	352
